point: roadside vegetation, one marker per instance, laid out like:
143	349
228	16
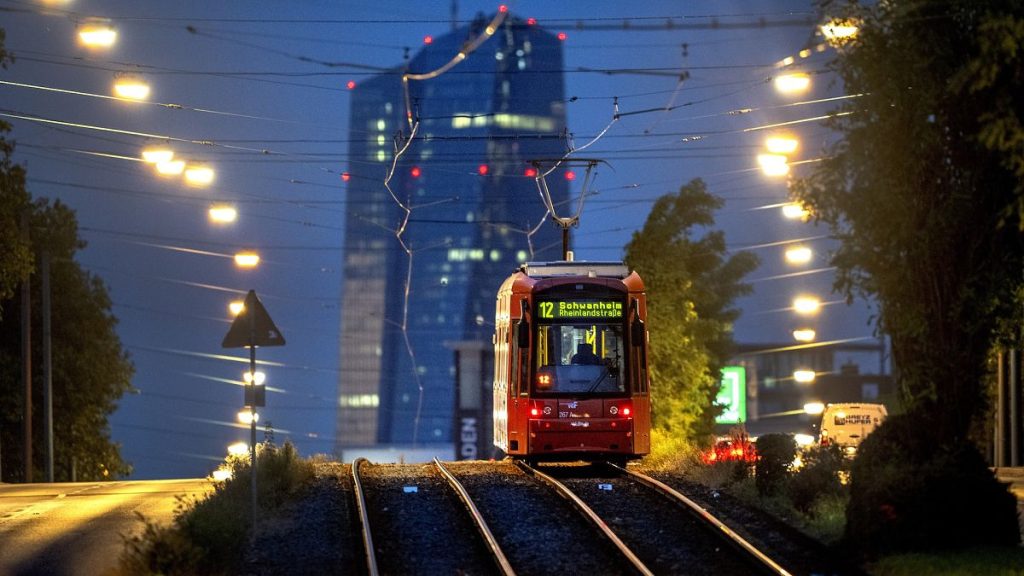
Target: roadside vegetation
209	534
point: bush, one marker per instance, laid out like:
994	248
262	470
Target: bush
818	478
909	494
775	454
670	452
209	534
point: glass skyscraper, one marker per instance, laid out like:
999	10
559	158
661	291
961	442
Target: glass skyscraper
469	183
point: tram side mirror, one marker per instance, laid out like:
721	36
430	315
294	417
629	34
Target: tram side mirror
523	334
636	335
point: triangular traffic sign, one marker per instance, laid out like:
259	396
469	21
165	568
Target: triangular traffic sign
252	327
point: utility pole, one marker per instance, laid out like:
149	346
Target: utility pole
47	366
26	357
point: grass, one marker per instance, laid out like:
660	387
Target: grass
209	534
976	561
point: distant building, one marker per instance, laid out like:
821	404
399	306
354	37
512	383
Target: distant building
851	372
466	177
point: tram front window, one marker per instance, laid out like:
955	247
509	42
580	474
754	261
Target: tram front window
580	359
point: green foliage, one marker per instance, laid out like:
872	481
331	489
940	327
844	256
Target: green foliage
818	478
670	452
775	454
209	534
16	256
983	560
691	286
909	493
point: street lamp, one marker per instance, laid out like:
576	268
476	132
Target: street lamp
238	449
781	144
804	335
803	376
795	211
170	167
157	154
258	376
773	164
198	175
248	417
247	259
795	83
798	255
806	305
223	214
837	31
97	35
236	307
130	88
814	408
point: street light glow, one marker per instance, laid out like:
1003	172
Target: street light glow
836	31
236	308
781	144
97	36
238	449
795	211
793	83
804	335
803	376
260	377
773	164
798	255
223	214
157	154
131	88
806	305
247	259
247	417
198	175
170	167
814	408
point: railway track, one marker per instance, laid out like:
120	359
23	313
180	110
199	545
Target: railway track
657	539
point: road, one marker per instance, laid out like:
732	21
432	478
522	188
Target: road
79	528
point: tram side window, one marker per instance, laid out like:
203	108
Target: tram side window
580	358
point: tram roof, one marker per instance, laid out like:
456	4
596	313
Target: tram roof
576	268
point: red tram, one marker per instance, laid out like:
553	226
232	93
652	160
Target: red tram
570	361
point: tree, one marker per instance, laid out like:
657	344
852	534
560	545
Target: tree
16	257
90	369
691	287
920	193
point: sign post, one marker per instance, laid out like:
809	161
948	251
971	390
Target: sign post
251	328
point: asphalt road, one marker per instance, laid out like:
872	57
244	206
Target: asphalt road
79	528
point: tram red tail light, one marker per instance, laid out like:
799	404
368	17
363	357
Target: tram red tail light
626	411
534	412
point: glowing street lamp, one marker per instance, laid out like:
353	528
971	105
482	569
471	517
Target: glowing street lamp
97	35
223	214
814	408
837	31
781	144
131	88
236	308
247	417
198	175
773	164
803	376
795	83
798	255
157	154
806	305
238	449
170	167
804	335
222	474
260	377
247	259
794	211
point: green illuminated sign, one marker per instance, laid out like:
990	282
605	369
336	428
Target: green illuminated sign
732	396
571	309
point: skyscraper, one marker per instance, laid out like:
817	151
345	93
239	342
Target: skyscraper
411	286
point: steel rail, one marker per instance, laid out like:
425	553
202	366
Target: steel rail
592	516
727	532
364	519
485	532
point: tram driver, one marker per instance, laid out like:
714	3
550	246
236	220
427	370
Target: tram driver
585	355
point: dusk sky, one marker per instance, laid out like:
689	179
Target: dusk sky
260	90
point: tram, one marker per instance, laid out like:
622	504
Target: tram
570	360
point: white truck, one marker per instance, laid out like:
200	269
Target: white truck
847	424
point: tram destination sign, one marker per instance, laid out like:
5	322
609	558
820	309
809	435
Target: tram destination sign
572	309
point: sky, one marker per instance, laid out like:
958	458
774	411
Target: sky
260	90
